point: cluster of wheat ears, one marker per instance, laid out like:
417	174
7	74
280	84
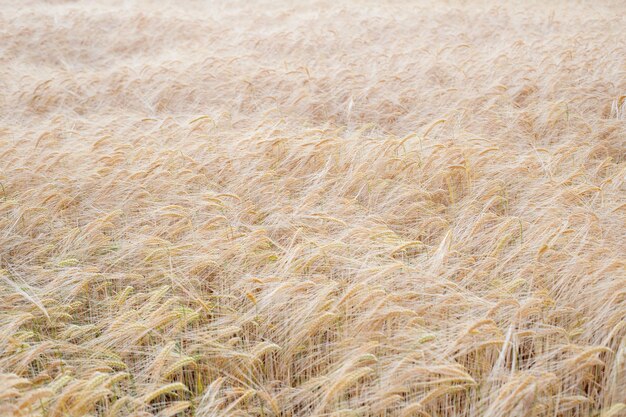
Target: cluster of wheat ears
319	208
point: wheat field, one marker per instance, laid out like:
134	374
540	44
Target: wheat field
326	208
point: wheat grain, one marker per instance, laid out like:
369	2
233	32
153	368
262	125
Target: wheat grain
256	208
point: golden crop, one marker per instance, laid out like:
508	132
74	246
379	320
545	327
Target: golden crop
325	208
